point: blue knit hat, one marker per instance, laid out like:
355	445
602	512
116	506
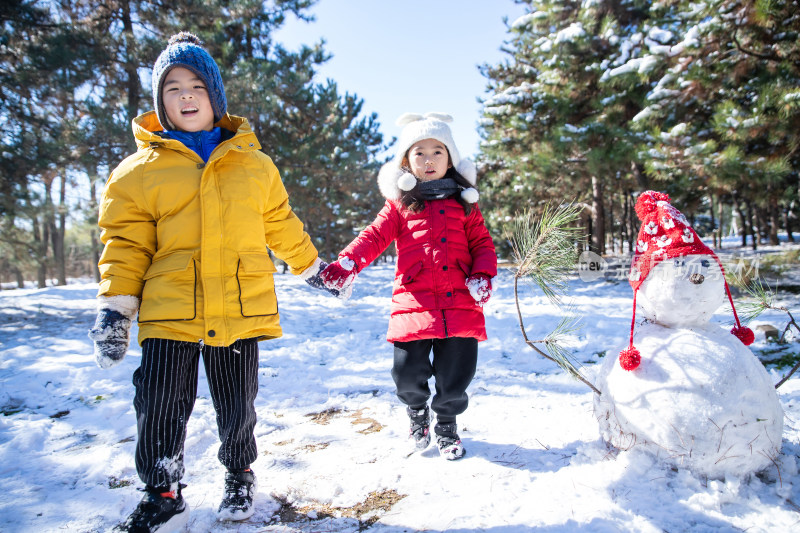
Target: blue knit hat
186	50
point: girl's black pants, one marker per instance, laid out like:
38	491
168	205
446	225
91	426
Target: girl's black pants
453	367
166	388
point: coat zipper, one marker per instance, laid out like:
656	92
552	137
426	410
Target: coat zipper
446	335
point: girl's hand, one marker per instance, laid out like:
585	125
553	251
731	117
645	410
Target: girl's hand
312	276
339	275
480	287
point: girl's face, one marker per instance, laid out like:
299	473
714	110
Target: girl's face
186	101
428	159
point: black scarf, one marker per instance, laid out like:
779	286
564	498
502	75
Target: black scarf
437	189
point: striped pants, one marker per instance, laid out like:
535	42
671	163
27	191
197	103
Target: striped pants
166	388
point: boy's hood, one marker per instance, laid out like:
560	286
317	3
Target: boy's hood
147	126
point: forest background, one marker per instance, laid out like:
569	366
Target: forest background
594	102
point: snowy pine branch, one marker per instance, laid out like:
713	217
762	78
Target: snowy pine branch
545	253
762	298
544	248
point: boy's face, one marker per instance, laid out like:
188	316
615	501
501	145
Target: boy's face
428	159
186	101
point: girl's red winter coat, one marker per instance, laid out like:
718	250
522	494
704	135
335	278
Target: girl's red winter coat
438	248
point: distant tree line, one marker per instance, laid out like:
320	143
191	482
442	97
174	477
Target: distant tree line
600	100
597	101
74	73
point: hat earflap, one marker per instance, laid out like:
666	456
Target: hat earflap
630	358
468	171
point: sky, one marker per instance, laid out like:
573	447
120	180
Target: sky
414	56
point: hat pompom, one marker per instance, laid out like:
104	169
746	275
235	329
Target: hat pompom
744	334
648	202
629	358
185	37
470	195
406	182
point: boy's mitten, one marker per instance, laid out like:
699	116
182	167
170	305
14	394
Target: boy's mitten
111	331
311	275
480	287
340	275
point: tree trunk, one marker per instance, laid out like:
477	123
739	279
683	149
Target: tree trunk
59	231
598	217
94	234
774	221
748	209
623	229
639	175
40	244
720	218
714	232
738	206
787	223
131	66
610	229
632	221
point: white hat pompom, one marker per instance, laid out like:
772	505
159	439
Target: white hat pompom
406	182
389	179
470	195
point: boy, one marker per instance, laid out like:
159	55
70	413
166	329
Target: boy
186	223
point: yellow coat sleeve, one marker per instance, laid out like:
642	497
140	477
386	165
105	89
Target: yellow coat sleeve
128	233
283	229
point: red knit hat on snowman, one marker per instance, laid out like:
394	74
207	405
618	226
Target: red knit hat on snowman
665	234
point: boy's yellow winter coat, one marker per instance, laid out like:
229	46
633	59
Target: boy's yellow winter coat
191	239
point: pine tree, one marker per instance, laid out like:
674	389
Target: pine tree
724	117
554	127
74	75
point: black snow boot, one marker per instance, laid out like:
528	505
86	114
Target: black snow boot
449	443
240	489
420	427
161	509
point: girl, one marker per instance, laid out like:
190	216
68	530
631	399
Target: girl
445	262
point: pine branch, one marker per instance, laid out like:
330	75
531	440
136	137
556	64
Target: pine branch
545	253
763	298
544	248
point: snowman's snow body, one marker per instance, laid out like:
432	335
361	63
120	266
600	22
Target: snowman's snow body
699	398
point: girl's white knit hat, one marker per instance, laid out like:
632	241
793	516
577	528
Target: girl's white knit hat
393	179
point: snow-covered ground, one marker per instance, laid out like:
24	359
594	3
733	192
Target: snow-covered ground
332	435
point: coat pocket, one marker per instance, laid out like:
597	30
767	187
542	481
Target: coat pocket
170	289
410	273
256	285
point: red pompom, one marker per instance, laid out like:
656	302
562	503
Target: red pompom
647	203
744	334
629	358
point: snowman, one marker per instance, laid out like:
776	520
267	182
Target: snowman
686	390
